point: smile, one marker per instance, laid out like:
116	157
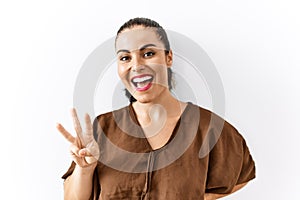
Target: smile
142	82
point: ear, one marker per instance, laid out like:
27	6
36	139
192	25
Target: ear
169	58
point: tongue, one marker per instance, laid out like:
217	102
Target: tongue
142	84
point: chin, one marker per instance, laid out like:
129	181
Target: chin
151	96
143	100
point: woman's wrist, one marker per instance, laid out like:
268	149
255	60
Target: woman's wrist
85	170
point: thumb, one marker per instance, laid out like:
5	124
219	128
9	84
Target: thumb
84	152
89	158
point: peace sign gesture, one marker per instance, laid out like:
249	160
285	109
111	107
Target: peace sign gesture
84	148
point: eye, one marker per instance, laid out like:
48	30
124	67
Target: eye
124	58
149	54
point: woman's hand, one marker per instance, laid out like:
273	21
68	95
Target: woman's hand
84	148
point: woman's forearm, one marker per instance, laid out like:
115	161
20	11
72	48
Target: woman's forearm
79	185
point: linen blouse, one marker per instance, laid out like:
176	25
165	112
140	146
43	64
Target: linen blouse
205	154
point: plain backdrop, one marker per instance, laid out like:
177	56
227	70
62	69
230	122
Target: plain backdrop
43	44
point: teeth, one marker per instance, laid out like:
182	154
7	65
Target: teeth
142	79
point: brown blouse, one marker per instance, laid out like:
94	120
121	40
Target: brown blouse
205	154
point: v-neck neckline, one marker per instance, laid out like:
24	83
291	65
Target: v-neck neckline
174	131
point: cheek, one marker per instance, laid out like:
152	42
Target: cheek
122	71
162	72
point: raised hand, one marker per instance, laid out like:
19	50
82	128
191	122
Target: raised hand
84	148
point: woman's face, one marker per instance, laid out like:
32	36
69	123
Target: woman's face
143	63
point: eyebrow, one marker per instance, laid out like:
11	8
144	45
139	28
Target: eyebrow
142	48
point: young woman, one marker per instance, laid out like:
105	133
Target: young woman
150	148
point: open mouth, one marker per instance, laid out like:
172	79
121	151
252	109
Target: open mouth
142	82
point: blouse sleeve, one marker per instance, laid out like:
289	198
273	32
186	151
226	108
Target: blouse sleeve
230	162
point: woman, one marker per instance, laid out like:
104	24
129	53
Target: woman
150	149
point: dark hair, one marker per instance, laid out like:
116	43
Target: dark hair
162	36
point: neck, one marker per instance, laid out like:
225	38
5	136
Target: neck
165	105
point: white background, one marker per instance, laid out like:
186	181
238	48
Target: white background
254	45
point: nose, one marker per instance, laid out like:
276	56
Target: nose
137	64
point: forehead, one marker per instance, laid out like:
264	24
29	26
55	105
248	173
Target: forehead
135	38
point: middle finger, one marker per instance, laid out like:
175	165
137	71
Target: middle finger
77	125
